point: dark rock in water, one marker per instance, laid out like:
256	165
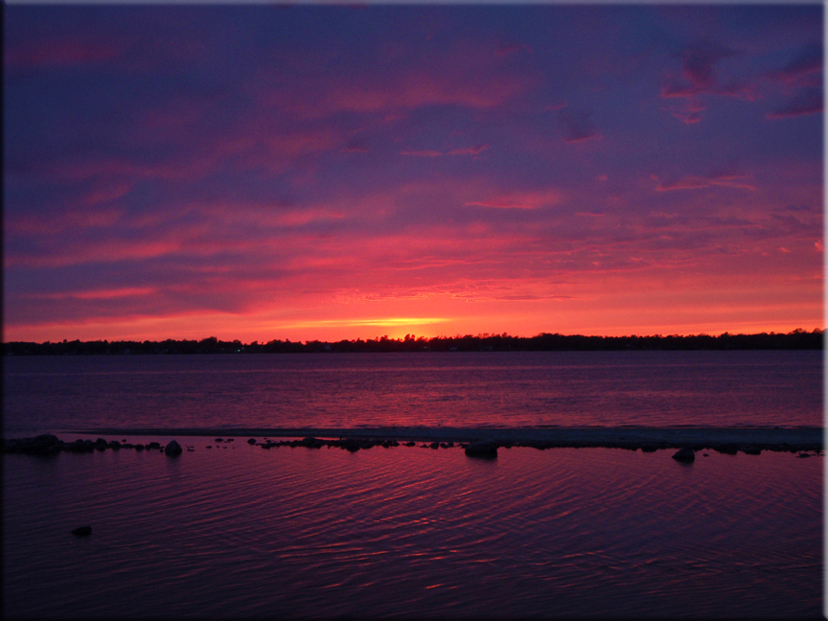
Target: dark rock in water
804	455
648	448
173	449
46	444
219	440
114	444
101	444
83	531
727	449
139	447
485	449
154	445
350	444
685	455
751	450
311	442
434	445
252	441
410	444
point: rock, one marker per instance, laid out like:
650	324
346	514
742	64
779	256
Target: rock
83	531
685	455
139	447
804	455
484	449
751	450
410	444
173	449
252	441
101	444
311	442
434	445
114	444
45	444
154	445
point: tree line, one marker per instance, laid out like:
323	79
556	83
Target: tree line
798	339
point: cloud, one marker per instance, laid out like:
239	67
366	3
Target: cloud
698	64
578	124
519	200
808	60
807	101
699	76
65	52
728	177
423	153
475	150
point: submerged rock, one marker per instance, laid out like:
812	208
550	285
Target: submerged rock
484	449
173	449
686	455
83	531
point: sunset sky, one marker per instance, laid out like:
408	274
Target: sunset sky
332	172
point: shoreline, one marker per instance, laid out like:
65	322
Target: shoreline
645	438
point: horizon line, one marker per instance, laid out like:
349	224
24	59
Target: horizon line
479	335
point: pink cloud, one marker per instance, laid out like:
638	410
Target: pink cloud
423	153
468	74
807	101
579	125
475	150
94	294
809	60
63	52
729	177
519	200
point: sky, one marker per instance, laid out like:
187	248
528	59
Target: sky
282	172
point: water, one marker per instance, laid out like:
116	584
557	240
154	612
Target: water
521	389
237	531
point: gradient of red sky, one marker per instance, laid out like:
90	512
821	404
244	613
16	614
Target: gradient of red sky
329	172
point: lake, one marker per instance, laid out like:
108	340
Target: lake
236	531
520	389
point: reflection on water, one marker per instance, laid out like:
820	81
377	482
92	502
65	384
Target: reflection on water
239	531
520	389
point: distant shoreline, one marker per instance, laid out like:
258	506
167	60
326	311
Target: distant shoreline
726	439
795	340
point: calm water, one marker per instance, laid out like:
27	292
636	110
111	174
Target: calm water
704	388
237	531
412	532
